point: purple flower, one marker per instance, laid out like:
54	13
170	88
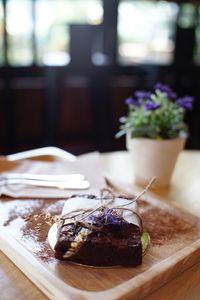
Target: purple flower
150	105
166	90
132	101
185	102
162	88
108	217
171	95
142	95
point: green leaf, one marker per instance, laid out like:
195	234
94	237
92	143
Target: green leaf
167	122
145	239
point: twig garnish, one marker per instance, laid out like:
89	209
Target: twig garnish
142	193
80	215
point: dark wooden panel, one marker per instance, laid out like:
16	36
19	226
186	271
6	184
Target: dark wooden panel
121	89
75	130
3	132
77	146
29	110
75	111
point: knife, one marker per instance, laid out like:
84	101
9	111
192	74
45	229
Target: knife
42	177
70	185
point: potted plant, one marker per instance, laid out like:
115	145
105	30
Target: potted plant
155	132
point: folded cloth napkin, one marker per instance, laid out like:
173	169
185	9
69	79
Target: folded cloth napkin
88	164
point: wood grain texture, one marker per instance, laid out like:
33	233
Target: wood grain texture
185	286
132	285
13	283
54	283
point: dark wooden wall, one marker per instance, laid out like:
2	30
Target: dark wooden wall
81	112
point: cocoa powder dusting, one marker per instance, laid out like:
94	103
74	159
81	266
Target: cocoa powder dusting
162	225
38	217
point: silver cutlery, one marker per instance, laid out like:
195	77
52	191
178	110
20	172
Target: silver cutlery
66	181
72	185
42	177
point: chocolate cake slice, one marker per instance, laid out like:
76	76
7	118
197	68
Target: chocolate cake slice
105	247
100	237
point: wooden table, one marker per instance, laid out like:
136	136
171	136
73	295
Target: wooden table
184	191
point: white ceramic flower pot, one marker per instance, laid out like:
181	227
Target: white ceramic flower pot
154	158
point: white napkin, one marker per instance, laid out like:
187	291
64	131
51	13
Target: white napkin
80	202
88	164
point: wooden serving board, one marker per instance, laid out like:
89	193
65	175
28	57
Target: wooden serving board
175	246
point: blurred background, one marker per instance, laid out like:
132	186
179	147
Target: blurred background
66	67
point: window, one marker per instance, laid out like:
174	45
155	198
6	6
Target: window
52	26
146	31
1	34
187	16
192	13
19	32
38	31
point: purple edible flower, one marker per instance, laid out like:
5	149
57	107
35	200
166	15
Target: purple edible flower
186	102
150	105
132	101
108	217
142	95
166	90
